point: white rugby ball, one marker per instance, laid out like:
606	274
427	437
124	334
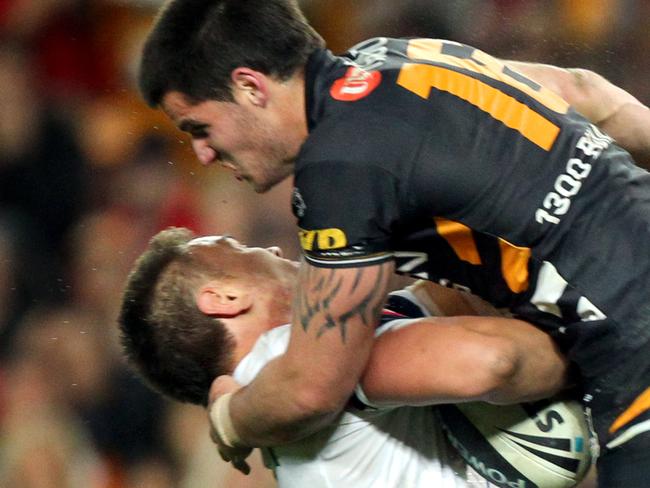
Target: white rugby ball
530	445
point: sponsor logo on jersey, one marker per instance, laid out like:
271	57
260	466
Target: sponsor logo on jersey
567	185
355	85
322	239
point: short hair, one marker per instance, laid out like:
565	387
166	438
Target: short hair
195	44
176	348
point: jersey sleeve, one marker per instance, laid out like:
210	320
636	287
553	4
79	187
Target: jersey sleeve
346	213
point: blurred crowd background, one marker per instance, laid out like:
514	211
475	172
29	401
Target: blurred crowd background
88	174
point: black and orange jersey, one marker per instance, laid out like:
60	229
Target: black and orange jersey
436	155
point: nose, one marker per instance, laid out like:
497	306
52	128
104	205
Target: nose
228	240
275	250
204	152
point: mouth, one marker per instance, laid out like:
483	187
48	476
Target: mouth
237	174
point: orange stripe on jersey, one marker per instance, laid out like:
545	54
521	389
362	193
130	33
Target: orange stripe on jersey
460	238
640	405
421	78
514	266
481	62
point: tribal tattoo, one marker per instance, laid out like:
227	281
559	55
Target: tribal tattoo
313	305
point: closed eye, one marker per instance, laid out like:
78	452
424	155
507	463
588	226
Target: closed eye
197	131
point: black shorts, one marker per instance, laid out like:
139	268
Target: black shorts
619	405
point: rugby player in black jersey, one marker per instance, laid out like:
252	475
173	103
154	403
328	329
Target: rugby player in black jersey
429	158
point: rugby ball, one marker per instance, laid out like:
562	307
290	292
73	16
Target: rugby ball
529	445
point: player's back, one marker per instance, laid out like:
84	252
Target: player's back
427	142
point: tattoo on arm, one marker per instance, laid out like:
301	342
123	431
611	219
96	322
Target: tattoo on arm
314	307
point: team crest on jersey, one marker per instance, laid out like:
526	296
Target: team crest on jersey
356	84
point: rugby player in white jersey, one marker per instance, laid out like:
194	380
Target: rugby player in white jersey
196	308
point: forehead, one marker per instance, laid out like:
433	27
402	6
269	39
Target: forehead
216	250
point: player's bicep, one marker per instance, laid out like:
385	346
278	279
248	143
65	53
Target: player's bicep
336	311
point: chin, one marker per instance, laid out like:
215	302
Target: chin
271	181
260	187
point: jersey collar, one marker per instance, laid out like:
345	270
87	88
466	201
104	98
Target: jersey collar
320	71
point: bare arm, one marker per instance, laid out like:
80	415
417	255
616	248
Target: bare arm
610	107
335	314
454	359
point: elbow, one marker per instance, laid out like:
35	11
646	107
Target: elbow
311	399
318	392
311	410
503	366
315	406
583	78
319	402
496	372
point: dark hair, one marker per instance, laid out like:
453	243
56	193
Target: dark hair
176	348
195	44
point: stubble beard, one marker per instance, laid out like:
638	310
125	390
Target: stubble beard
271	182
279	166
281	153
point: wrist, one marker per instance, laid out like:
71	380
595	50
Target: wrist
222	422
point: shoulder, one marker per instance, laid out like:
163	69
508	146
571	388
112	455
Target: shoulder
358	111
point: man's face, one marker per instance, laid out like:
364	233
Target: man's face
235	136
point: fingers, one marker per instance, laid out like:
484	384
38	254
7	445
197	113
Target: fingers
235	456
241	465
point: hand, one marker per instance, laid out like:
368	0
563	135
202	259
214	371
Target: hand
222	385
233	455
236	455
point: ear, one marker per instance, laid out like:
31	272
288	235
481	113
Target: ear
222	300
252	85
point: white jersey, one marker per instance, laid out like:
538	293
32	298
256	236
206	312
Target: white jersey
400	447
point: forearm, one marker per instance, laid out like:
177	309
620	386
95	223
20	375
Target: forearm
274	410
614	110
456	359
608	106
636	137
